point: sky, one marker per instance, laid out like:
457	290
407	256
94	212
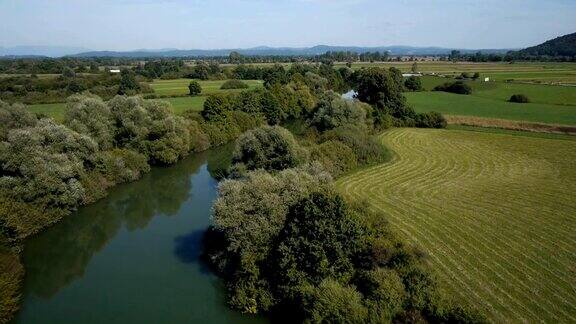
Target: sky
211	24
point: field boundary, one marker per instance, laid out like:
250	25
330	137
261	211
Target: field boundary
510	124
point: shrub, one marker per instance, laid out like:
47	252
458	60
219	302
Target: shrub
332	302
413	83
215	107
519	98
11	276
457	87
234	84
366	148
430	120
272	148
194	88
334	111
89	115
335	156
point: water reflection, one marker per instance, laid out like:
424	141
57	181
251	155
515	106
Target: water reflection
60	255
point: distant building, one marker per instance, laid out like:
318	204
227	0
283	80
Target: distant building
411	74
114	71
486	79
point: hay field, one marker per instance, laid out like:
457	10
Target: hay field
495	212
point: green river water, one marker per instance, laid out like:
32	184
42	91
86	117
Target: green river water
132	257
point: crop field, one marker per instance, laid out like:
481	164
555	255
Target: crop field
180	86
494	212
521	72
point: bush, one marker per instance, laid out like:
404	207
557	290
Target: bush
335	156
331	302
194	88
215	107
334	111
413	83
234	84
457	87
272	148
430	120
519	98
11	276
366	148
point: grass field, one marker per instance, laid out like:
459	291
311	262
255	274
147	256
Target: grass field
179	106
495	213
180	86
472	105
523	72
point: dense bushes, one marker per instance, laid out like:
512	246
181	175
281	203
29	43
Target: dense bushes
288	245
11	274
194	88
457	87
234	84
430	120
519	98
413	83
268	148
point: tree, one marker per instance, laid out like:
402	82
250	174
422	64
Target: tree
271	148
519	98
89	115
215	107
235	57
194	88
331	302
413	83
128	83
476	76
457	87
415	67
334	111
68	73
14	116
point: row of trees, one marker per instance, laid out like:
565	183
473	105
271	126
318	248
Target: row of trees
33	90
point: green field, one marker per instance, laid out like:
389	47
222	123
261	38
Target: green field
453	104
494	212
180	86
543	72
179	106
548	103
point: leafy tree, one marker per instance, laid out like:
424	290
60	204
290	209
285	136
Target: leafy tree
68	73
14	116
430	120
194	88
331	302
413	83
414	68
476	76
215	107
89	115
334	111
128	83
271	148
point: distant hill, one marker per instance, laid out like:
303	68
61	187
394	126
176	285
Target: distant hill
560	46
284	51
32	51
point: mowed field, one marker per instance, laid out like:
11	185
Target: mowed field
496	214
179	87
551	104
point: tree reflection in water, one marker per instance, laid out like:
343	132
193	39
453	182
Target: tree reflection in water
58	256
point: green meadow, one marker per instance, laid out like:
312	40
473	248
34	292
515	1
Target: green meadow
494	211
179	87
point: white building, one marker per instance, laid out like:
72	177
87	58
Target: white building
114	71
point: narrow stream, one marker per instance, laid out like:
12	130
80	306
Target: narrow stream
132	257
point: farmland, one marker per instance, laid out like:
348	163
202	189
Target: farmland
179	87
548	103
494	212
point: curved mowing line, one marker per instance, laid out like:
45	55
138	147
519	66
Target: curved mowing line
496	213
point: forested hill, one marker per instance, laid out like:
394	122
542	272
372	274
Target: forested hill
560	46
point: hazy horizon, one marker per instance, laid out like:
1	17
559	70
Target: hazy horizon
127	25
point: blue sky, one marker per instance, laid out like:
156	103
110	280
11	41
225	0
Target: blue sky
184	24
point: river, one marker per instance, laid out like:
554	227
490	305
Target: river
132	257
